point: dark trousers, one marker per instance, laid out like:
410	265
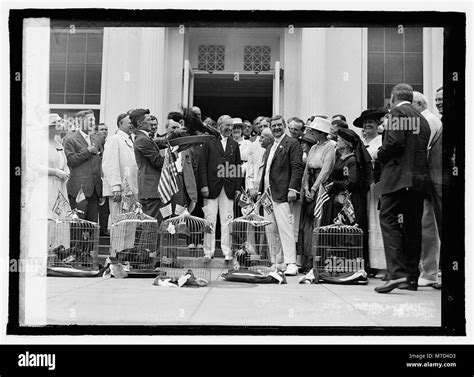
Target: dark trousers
104	212
90	207
151	207
400	220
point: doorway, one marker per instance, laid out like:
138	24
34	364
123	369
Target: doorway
247	97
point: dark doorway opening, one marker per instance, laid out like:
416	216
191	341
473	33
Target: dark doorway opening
247	98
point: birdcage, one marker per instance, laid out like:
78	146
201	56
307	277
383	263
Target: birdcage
248	240
337	249
181	246
73	243
134	241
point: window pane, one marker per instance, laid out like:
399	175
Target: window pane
375	95
56	98
375	68
393	68
94	48
77	48
93	99
93	76
57	77
393	40
75	79
58	46
375	39
74	99
414	40
414	68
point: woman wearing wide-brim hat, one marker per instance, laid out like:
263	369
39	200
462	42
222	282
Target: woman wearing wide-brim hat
370	120
319	164
351	175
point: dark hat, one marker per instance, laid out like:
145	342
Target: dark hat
309	138
371	113
349	135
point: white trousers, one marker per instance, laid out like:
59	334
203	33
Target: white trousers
430	244
280	234
225	207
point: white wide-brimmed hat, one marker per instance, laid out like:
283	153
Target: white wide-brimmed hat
320	124
237	121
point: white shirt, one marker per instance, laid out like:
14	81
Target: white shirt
86	137
276	143
224	142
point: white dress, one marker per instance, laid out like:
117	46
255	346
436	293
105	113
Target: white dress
376	248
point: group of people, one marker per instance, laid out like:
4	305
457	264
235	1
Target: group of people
381	174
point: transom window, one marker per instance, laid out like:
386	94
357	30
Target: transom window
257	58
211	57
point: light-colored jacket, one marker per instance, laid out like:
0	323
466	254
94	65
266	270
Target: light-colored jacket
118	164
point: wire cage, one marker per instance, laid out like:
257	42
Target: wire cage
181	246
73	243
249	245
337	249
134	240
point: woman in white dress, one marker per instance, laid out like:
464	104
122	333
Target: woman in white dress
369	121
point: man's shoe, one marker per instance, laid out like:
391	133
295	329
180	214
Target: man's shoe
426	283
412	286
401	283
291	270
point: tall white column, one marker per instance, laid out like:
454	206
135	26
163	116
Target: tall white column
152	71
313	72
291	63
34	231
432	64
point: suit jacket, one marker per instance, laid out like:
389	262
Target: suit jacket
286	169
118	164
216	167
85	167
404	153
435	163
188	174
150	163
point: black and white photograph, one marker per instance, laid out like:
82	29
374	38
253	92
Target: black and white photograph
238	172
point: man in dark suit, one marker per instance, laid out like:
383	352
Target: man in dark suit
282	174
83	152
219	177
404	184
149	161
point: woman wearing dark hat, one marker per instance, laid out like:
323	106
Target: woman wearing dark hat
370	120
319	164
352	173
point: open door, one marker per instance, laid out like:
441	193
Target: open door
276	89
188	85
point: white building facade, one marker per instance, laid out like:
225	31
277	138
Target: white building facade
243	72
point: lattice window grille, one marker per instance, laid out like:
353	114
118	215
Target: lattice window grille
211	57
257	58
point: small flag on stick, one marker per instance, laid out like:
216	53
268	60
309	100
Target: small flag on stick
61	206
168	185
80	195
322	198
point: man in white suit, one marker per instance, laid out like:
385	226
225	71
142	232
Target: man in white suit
119	165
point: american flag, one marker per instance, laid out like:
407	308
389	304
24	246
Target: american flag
168	185
323	197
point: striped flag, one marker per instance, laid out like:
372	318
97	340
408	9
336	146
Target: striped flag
323	197
168	185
